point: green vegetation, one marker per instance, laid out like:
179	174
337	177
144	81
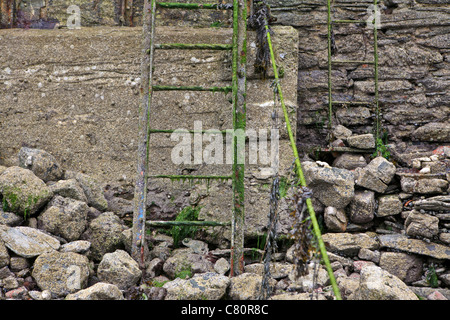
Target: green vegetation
432	277
178	233
381	149
185	272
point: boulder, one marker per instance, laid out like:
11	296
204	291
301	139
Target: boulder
27	242
4	255
362	207
421	225
120	269
376	175
202	286
9	218
61	272
79	246
64	217
389	205
433	131
68	188
349	161
23	193
405	244
341	132
92	190
42	163
406	267
362	141
348	243
186	260
378	284
333	187
99	291
105	235
335	219
246	286
424	186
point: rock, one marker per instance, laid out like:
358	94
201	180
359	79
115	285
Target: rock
341	132
433	131
405	244
421	225
347	285
92	190
105	235
436	295
333	187
196	246
382	168
349	161
222	266
10	283
17	294
42	163
120	269
348	243
307	282
298	296
423	186
362	207
79	246
202	286
362	141
278	270
378	284
185	260
19	263
389	205
68	188
407	268
437	203
27	242
445	238
368	179
154	268
61	272
246	286
4	255
369	255
99	291
23	193
64	217
9	218
335	219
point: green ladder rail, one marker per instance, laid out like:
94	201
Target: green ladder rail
238	90
331	102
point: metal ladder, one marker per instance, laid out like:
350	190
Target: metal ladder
238	89
374	62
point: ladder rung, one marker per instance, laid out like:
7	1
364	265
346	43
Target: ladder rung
194	6
192	88
187	223
353	102
212	131
189	46
188	177
352	61
349	21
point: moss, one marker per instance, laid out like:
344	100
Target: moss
180	232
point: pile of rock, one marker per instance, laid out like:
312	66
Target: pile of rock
62	236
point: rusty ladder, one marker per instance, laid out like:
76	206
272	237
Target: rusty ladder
238	89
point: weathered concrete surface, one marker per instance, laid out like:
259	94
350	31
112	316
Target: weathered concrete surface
75	94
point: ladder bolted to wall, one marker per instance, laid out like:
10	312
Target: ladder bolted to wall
374	62
238	89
